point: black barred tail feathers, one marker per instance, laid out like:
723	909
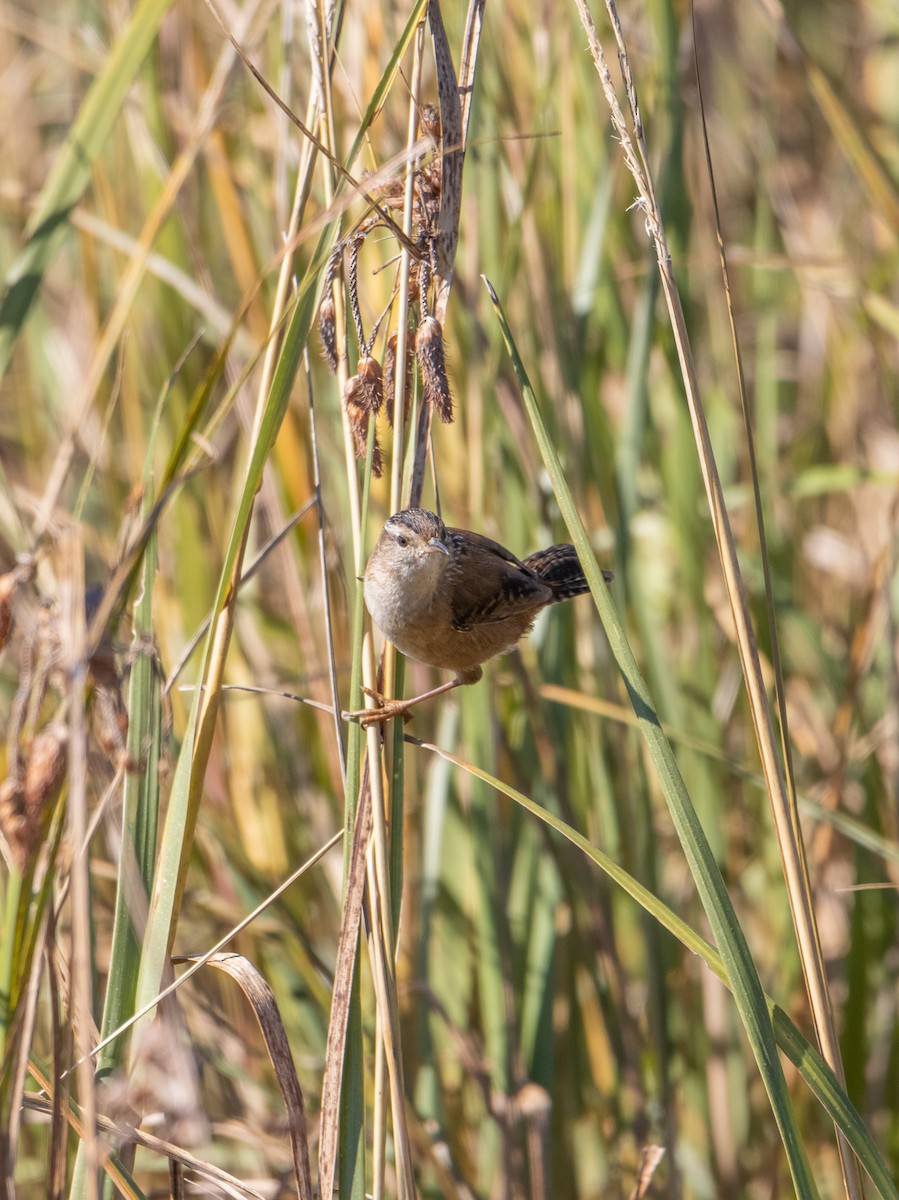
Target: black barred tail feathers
560	568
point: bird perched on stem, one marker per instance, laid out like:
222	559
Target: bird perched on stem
452	598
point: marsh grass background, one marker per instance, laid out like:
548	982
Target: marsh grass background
550	1029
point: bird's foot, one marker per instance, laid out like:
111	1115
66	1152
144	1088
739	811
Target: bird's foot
385	710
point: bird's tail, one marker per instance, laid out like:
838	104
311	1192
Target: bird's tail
560	568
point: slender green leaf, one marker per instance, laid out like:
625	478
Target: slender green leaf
814	1070
742	975
72	170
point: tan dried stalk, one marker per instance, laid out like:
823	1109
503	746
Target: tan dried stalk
75	641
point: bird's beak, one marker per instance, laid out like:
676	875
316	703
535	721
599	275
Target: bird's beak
436	544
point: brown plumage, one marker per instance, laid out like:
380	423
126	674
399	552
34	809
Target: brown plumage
453	599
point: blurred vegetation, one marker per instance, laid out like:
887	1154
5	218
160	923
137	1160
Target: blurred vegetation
550	1029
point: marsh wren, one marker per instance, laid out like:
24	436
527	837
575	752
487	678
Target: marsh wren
452	598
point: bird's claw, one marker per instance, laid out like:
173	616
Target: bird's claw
386	710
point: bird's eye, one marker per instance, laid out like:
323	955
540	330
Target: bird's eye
401	541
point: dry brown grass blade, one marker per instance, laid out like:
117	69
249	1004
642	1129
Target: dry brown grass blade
56	1172
652	1156
471	41
156	1145
359	188
127	288
220	944
71	573
343	982
786	821
265	1009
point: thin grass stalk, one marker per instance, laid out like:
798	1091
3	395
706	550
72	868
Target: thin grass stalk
343	1104
129	283
787	806
81	966
385	950
71	172
320	52
811	1065
700	858
58	1157
380	1103
786	821
382	877
201	961
382	1089
112	1164
140	809
17	891
29	918
402	307
285	272
385	998
389	659
15	1065
187	783
323	567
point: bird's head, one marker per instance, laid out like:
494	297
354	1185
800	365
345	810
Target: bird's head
413	547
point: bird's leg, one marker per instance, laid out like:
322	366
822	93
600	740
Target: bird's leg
387	709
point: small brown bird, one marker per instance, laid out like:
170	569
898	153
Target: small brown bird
451	598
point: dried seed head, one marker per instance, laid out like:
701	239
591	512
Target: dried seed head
110	724
390	378
430	121
435	385
26	799
428	188
359	415
372	379
391	193
327	331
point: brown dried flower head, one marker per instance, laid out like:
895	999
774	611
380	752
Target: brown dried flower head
372	380
430	122
431	359
327	330
26	799
359	414
391	193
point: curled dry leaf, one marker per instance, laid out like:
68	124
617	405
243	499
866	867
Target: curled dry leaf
650	1159
359	414
431	358
265	1008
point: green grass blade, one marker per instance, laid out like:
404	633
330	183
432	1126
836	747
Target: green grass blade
177	839
802	1054
742	975
72	171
